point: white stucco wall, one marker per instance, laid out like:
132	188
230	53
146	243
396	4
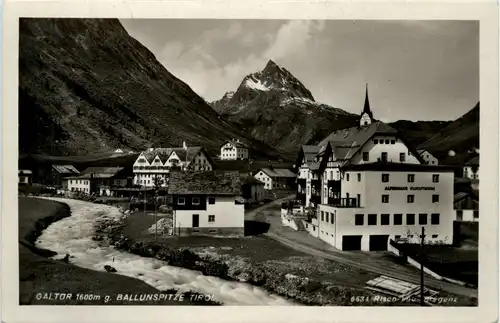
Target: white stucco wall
227	213
429	159
371	189
393	151
468	173
264	178
79	185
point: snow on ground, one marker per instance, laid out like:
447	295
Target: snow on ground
73	235
299	100
256	85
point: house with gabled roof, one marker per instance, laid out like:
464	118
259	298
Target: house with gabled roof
307	162
153	165
98	180
59	174
233	150
471	168
369	185
429	159
207	203
276	178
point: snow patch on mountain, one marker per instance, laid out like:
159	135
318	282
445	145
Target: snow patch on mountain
298	100
256	85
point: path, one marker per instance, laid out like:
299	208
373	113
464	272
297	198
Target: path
373	262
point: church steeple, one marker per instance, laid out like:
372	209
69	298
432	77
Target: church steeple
366	115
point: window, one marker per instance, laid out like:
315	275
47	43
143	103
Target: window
384	157
385	198
434	236
347	177
359	177
372	219
327	217
398	219
393	142
385	178
475	214
375	141
366	156
435	198
332	218
460	214
387	141
411	178
410	219
435	178
211	218
402	157
181	200
211	200
410	198
435	218
359	219
422	218
196	201
384	219
322	216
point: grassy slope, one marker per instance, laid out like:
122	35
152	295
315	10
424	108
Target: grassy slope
41	275
86	86
459	136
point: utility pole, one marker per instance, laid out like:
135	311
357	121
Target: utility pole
422	267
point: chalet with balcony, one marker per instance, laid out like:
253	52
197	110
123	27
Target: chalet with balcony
374	186
207	203
152	167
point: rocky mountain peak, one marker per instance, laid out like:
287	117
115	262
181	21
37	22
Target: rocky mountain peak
275	79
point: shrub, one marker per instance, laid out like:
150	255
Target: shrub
184	258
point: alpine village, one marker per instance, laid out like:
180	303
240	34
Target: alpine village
345	210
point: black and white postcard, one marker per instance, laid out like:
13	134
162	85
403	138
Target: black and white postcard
190	161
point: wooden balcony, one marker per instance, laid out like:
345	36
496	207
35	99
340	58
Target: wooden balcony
334	185
344	202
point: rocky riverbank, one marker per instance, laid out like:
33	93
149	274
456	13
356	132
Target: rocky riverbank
268	275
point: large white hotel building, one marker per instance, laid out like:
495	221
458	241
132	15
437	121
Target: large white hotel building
368	185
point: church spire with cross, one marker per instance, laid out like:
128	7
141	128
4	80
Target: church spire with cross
366	115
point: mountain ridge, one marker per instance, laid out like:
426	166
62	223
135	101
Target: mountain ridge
274	106
87	86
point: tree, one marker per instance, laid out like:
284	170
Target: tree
157	184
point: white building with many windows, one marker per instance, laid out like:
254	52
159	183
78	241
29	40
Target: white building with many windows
233	150
153	165
368	186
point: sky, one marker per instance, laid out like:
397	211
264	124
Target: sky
415	70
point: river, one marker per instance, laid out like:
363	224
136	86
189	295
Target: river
73	235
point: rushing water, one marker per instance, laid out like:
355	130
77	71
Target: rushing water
73	235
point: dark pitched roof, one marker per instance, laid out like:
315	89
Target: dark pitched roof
164	153
249	180
463	195
98	172
398	167
235	143
473	161
358	135
65	169
206	183
278	172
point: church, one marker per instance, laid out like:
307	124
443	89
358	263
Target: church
366	185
